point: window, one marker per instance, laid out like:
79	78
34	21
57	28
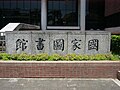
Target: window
1	14
95	14
20	11
62	13
35	15
1	4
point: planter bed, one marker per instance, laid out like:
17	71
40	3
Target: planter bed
59	69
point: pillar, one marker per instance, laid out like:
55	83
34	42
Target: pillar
82	14
43	14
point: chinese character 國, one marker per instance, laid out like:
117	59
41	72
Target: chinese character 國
93	44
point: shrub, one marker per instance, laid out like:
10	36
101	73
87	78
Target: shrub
70	57
14	56
115	44
40	57
5	56
22	57
100	57
57	57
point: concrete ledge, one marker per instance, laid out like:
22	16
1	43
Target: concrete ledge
113	30
104	61
59	69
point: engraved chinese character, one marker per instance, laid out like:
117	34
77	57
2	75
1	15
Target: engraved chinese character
93	44
58	44
76	44
21	43
40	44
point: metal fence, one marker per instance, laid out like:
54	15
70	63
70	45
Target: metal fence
2	42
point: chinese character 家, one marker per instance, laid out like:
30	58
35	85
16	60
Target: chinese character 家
76	44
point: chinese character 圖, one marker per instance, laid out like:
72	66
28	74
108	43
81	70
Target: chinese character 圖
76	44
40	44
21	43
58	44
93	44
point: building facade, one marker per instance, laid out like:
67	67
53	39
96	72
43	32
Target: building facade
73	17
62	14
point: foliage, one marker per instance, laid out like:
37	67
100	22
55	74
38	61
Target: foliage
57	57
115	44
40	57
5	56
24	56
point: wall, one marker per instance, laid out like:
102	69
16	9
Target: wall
61	42
112	7
59	69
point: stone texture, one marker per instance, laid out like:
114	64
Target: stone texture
97	43
18	42
60	42
40	43
76	43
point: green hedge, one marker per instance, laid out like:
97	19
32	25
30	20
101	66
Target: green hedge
56	57
115	44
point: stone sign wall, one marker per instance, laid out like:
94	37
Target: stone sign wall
60	42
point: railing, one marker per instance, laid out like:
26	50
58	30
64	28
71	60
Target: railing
2	42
